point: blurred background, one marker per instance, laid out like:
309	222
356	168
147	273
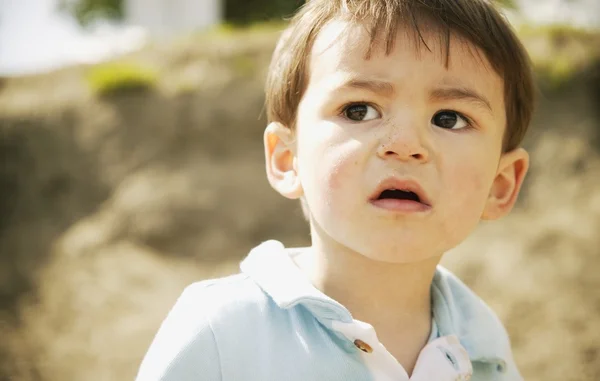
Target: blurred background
131	165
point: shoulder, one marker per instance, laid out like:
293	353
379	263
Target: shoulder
185	346
213	294
233	297
458	310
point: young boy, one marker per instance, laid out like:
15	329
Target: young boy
397	123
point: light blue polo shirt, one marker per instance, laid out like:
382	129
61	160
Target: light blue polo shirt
270	324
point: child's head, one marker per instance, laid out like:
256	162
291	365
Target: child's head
431	96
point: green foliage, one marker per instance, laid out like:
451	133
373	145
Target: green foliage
86	11
227	29
557	31
244	65
510	4
248	11
559	52
238	12
111	78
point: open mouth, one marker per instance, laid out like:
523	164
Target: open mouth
399	194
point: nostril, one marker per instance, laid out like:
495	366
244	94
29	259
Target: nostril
406	153
414	155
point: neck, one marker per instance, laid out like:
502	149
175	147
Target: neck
386	295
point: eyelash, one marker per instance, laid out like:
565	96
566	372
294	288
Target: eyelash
356	103
470	122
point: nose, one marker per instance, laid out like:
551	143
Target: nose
406	144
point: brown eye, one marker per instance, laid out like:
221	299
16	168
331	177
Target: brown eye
450	120
360	112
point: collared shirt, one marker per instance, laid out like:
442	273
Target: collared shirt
270	323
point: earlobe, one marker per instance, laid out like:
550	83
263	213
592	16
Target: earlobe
507	184
280	160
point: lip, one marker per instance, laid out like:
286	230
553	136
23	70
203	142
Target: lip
423	204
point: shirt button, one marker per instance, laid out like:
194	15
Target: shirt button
363	346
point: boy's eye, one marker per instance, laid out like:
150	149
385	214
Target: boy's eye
450	120
360	112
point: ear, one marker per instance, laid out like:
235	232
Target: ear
281	161
512	169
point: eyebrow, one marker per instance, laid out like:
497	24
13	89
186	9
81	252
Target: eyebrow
439	94
374	86
461	93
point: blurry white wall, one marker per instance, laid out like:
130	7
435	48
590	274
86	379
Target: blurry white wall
35	37
170	17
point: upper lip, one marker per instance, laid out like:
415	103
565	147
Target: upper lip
408	185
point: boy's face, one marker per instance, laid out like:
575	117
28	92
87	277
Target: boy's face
398	121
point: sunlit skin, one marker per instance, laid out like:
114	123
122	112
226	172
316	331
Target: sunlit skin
402	120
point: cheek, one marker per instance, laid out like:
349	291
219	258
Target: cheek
465	194
341	169
329	171
468	187
471	182
469	172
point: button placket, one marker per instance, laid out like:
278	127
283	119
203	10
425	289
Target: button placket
381	364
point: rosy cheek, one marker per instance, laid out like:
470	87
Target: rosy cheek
334	176
338	174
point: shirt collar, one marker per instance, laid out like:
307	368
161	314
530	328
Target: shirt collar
270	266
456	310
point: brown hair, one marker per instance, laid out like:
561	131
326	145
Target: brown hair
476	21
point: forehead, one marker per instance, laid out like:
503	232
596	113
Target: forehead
340	50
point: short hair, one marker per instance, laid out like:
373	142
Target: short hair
476	21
